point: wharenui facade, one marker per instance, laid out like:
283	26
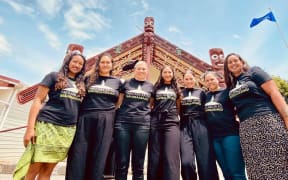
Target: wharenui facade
157	52
147	46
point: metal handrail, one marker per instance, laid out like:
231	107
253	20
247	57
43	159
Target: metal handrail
12	129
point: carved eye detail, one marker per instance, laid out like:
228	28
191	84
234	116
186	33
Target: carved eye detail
214	56
221	56
151	23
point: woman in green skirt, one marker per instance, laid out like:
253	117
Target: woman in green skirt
51	125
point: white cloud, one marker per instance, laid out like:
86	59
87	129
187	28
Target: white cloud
78	34
50	7
174	29
20	8
5	47
143	5
236	36
92	52
82	23
90	4
50	36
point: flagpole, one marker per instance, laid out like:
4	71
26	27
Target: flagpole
282	35
280	31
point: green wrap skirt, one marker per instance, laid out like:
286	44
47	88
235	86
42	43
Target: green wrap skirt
52	145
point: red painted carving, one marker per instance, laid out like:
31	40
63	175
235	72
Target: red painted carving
74	47
217	61
148	42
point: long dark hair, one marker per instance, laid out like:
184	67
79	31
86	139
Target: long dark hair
229	78
93	74
174	84
62	75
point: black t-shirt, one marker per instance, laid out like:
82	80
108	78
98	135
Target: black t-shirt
220	114
63	105
193	102
248	96
102	95
165	99
135	108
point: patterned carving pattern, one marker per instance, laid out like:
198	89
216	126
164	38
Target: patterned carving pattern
163	57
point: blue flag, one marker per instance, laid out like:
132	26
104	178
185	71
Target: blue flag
269	16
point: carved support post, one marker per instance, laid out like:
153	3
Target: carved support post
148	41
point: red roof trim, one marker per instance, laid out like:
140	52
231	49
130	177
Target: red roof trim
9	80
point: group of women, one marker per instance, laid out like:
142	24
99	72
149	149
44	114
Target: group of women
178	125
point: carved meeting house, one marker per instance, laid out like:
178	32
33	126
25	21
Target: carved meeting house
157	52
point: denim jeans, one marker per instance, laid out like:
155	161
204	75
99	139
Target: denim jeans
229	156
130	137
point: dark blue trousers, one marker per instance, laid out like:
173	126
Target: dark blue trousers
110	166
130	138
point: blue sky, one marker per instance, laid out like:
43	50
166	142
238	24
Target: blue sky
34	34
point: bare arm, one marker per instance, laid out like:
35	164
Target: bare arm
178	105
120	100
272	90
151	103
34	110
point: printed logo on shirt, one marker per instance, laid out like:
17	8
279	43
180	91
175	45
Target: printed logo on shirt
101	89
190	100
213	106
71	92
138	94
167	93
239	89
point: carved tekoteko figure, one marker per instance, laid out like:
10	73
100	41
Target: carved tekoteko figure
217	60
148	42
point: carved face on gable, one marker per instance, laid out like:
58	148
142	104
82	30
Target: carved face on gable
75	47
149	24
217	57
